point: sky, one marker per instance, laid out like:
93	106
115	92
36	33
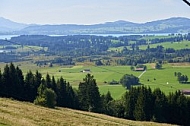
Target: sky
91	11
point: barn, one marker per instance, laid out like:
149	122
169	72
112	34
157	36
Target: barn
186	92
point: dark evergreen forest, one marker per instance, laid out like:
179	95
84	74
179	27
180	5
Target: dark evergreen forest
139	103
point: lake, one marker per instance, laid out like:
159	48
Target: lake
115	35
7	36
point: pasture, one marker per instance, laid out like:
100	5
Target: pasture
174	45
163	79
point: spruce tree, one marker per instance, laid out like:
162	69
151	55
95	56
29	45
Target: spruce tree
72	100
61	92
160	106
106	99
48	81
149	103
83	96
172	111
19	84
130	99
53	84
30	88
139	111
89	96
37	81
6	82
182	112
1	84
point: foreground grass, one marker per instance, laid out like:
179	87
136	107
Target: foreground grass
26	114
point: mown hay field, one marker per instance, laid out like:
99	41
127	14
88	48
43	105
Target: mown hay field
15	113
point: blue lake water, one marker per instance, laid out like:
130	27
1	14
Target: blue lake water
7	36
115	35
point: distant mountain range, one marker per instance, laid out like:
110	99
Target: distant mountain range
171	25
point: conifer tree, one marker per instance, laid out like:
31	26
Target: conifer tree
106	99
37	79
130	99
83	96
89	96
182	112
172	111
61	93
160	106
53	84
139	112
72	100
1	84
6	82
19	84
30	92
48	81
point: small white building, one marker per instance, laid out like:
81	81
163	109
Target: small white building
86	71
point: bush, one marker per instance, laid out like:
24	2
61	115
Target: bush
46	97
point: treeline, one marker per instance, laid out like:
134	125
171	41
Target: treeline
143	104
76	47
34	87
181	78
139	103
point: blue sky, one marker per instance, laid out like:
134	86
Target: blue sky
91	11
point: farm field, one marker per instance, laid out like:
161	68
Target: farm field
163	79
174	45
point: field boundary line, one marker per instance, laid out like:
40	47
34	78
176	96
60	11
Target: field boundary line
141	74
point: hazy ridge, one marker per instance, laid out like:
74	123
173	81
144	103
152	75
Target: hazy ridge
171	25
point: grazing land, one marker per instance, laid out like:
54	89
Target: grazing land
174	45
107	58
26	114
163	78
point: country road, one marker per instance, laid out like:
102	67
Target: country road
141	74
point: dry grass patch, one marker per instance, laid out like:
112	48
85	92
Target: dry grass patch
26	114
180	64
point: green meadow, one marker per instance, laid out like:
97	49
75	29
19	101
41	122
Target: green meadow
174	45
163	79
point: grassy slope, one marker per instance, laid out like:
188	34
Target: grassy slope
26	114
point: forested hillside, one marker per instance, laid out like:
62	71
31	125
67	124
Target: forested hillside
123	50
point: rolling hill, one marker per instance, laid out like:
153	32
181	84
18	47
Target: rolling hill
7	25
171	25
26	114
